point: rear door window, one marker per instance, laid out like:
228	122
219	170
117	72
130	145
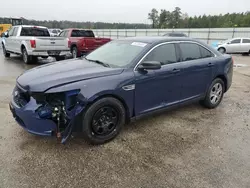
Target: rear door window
190	51
246	41
205	53
165	54
35	32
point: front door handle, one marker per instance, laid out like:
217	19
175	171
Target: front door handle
210	64
176	70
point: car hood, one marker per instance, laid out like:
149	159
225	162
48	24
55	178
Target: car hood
44	77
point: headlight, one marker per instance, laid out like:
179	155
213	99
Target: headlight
45	112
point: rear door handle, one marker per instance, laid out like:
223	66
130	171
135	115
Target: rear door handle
210	64
176	70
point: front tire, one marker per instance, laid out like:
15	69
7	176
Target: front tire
103	120
5	53
214	94
222	50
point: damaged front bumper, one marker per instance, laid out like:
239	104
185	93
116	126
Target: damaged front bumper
46	118
28	118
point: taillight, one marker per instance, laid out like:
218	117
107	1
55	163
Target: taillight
33	43
69	43
83	43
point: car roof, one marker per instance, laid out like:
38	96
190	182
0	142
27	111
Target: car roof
77	29
158	39
30	26
240	38
176	33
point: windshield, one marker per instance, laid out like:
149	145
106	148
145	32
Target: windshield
117	53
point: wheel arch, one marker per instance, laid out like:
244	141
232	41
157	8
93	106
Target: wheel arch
22	47
72	46
224	79
127	111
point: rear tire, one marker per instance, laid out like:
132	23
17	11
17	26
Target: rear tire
74	52
5	53
26	58
103	120
214	94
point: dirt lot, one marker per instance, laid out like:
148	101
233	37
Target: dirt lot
191	147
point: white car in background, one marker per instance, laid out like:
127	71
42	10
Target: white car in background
54	32
235	46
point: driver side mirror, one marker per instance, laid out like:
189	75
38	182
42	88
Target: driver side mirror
6	35
149	65
229	43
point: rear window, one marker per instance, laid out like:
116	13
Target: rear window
82	33
35	32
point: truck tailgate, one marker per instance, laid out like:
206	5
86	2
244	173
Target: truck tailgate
51	43
93	43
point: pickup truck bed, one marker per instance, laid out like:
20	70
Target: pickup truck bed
82	41
32	42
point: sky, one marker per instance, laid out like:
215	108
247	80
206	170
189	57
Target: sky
129	11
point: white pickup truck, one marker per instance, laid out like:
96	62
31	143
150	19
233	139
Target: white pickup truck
32	42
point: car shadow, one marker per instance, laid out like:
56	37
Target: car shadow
76	140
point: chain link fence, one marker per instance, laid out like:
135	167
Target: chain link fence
208	35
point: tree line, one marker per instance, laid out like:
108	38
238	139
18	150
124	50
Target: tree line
71	24
177	19
162	19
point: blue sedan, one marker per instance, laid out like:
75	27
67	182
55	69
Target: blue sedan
119	82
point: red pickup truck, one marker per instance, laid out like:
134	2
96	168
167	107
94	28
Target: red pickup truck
82	41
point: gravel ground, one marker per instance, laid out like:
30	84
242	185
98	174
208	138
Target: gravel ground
190	147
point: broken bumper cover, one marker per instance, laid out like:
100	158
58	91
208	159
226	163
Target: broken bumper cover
28	118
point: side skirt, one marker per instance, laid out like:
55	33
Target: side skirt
167	108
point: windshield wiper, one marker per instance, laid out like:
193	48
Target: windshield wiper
98	62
